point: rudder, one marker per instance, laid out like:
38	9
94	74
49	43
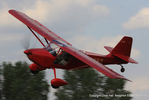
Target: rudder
123	47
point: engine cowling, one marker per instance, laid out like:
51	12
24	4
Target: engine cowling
56	83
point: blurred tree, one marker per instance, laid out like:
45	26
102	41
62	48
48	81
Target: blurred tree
82	83
20	84
115	89
87	84
1	76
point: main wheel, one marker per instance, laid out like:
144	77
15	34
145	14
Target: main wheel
55	87
34	72
122	69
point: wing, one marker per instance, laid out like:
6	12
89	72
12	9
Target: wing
51	36
92	63
36	26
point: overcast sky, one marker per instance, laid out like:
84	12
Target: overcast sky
88	25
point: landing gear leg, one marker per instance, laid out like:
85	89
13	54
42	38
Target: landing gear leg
53	86
57	82
54	70
122	69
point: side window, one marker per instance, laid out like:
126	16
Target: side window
53	52
53	49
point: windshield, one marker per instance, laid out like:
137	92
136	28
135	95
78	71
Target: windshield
53	49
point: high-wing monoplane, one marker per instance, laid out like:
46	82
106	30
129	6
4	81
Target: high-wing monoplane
58	53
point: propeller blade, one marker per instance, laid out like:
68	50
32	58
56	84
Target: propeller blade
26	42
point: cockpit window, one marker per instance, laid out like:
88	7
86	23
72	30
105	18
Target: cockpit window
49	49
53	52
53	49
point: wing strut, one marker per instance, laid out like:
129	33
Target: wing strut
36	36
46	41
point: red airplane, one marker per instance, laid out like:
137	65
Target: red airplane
58	53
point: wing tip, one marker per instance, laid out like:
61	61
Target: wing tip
11	10
124	79
121	77
127	79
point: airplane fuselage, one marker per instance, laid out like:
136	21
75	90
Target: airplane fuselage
44	59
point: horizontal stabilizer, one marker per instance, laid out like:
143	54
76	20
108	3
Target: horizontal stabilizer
108	48
126	58
122	50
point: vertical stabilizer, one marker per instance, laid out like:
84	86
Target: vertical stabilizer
123	47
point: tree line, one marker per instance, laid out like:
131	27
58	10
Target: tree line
18	83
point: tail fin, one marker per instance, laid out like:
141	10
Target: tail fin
123	49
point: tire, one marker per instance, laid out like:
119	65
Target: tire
34	72
122	70
55	87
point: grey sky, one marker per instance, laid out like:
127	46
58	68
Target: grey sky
87	24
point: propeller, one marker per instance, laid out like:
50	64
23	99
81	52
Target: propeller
29	42
25	42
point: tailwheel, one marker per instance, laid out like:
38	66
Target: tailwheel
122	69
